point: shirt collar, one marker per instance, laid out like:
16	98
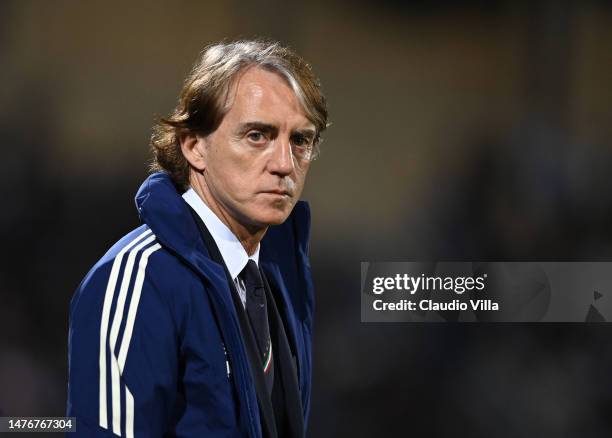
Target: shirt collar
232	251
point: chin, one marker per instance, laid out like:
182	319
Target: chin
272	216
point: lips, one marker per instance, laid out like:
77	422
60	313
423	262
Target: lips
279	192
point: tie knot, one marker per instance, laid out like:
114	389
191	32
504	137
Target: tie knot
251	276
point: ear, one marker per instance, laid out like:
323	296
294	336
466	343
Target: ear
193	148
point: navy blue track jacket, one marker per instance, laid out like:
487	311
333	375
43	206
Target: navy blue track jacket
154	344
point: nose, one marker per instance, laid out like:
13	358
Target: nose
281	160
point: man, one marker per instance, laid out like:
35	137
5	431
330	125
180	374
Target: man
199	322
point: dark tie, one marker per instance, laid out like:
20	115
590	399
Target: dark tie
257	312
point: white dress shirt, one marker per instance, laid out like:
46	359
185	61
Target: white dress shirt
233	253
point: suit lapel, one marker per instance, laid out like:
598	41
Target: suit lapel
287	369
275	280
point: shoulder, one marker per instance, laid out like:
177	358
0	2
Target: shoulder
137	262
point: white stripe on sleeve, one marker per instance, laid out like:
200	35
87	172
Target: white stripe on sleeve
108	299
129	325
114	333
129	414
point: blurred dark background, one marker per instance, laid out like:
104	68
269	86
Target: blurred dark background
462	130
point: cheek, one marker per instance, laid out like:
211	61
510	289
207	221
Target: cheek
234	175
299	180
237	184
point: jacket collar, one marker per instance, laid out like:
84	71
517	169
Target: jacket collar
164	211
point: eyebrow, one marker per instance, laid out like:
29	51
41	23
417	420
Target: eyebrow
307	132
271	129
259	126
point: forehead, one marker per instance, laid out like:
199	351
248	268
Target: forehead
265	96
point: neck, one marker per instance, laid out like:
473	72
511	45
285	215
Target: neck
248	235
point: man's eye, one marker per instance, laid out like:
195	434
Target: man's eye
300	140
256	137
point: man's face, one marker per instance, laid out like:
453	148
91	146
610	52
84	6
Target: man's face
251	171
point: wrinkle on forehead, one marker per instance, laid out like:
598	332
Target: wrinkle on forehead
263	89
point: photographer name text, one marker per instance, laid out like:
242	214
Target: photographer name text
424	283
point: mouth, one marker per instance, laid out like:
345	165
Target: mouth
278	192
